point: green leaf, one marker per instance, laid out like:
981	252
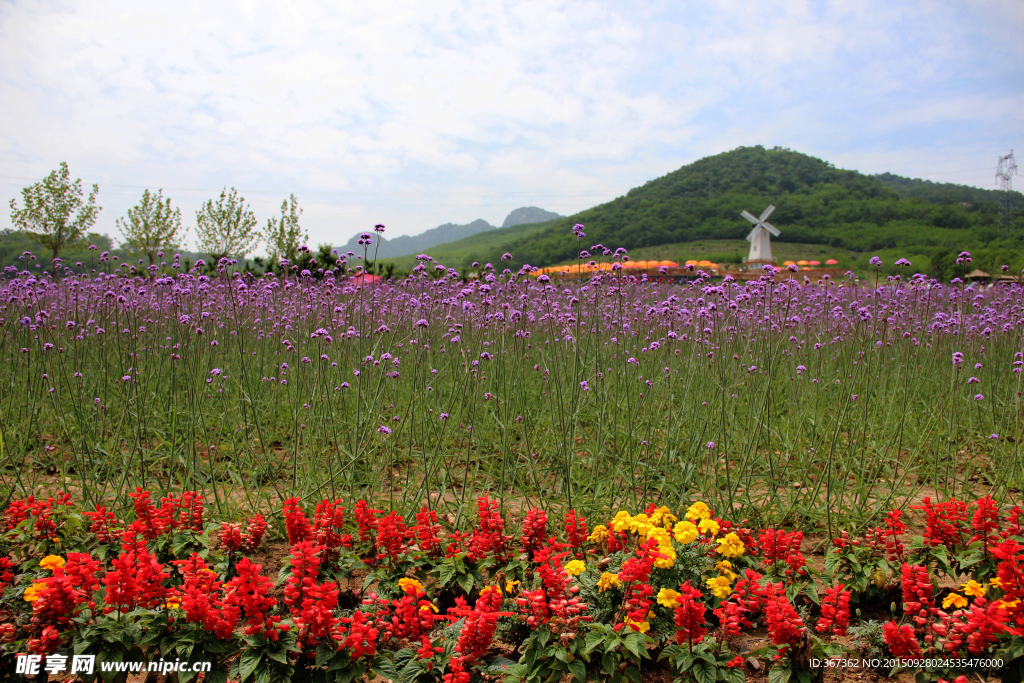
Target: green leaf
635	643
579	671
703	671
811	591
247	664
499	665
779	674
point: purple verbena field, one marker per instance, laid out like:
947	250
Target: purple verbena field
779	400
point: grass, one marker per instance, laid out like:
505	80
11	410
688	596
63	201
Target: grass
781	402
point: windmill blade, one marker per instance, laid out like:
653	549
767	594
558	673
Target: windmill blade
749	216
750	237
771	228
767	212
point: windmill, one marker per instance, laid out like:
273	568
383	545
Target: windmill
760	240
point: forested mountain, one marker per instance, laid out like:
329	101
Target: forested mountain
945	193
815	203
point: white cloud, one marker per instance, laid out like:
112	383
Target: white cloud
418	114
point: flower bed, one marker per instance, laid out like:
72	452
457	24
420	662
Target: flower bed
660	588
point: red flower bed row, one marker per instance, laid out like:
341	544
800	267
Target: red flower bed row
602	600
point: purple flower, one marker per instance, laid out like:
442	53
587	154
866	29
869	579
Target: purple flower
973	380
958	358
876	262
711	444
444	416
215	372
506	256
378	228
979	397
577	230
421	323
903	262
993	436
384	430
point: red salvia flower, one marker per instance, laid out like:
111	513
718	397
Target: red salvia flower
985	520
103	524
230	536
426	531
944	522
296	523
835	611
359	636
250	591
902	640
253	536
784	624
366	519
918	602
690	616
576	532
535	529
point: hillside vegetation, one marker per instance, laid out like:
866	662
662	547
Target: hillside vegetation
816	204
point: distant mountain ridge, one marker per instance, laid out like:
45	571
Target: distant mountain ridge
528	214
404	245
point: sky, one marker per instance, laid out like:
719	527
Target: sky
417	114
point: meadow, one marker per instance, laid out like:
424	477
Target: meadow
806	403
302	423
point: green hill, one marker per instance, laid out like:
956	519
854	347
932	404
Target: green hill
816	204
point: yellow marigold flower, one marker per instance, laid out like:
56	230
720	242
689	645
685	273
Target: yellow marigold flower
575	567
664	517
51	562
599	534
490	589
410	585
725	569
730	545
607	581
620	522
662	536
954	599
1008	604
697	511
173	603
640	524
709	525
995	582
973	588
510	586
667	597
641	626
719	586
686	532
670	556
32	592
432	606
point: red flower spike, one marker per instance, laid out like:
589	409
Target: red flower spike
902	640
835	611
690	616
296	523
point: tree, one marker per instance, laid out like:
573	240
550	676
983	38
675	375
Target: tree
152	225
283	235
227	227
54	213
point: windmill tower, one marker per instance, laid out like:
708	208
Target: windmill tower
759	237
